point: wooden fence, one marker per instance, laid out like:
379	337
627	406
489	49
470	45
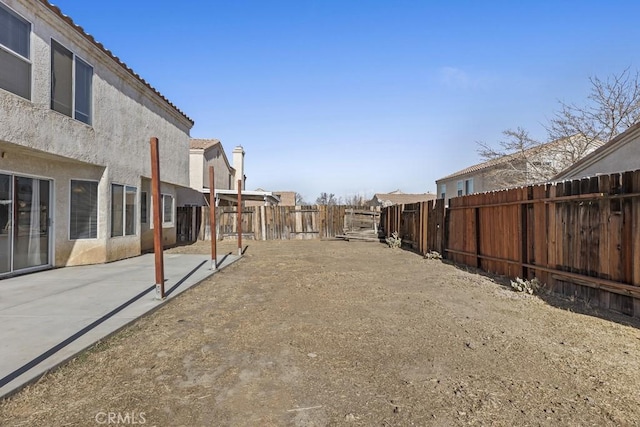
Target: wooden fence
581	238
419	225
274	222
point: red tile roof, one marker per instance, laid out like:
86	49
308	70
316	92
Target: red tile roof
202	144
100	46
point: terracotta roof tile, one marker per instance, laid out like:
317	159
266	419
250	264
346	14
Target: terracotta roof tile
55	9
202	143
503	159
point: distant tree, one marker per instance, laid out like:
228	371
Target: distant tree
326	199
355	200
517	163
300	200
612	106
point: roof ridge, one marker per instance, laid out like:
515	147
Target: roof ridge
55	9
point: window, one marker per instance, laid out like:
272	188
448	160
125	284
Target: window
123	210
144	210
468	186
130	194
83	217
70	84
167	208
460	188
15	64
443	191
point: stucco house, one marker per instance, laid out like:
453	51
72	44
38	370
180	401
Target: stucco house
75	162
210	152
204	153
530	166
621	154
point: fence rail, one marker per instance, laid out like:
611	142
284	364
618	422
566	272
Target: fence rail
276	222
580	237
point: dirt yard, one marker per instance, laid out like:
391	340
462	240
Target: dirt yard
311	333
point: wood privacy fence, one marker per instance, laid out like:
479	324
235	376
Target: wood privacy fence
420	225
581	238
272	222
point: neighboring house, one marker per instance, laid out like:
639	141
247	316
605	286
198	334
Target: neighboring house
209	152
530	166
397	197
270	198
621	154
75	163
204	153
287	198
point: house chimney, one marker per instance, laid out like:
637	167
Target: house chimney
238	165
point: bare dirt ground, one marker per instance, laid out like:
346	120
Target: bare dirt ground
311	333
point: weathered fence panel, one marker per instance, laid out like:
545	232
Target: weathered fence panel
421	226
282	222
580	237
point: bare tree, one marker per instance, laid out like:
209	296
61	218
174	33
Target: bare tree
300	200
518	160
612	106
355	200
326	199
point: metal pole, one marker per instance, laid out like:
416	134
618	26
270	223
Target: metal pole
157	218
212	220
239	217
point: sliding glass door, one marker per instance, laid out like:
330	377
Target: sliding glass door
6	221
24	222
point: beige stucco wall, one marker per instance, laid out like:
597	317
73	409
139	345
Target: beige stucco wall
199	162
625	157
114	149
223	173
480	185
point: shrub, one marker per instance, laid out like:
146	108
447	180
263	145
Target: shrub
394	241
529	286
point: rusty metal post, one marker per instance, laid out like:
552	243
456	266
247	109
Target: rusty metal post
212	220
239	217
157	217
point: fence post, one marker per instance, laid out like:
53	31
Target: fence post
239	217
157	218
212	220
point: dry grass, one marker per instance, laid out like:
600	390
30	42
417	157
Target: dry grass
331	333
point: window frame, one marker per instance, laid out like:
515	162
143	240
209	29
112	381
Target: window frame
144	207
97	227
163	196
26	59
75	113
134	215
468	186
460	188
443	191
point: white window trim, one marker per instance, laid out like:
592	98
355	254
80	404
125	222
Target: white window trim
73	85
16	54
97	211
124	211
168	224
466	186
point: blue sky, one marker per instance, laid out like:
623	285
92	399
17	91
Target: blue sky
358	97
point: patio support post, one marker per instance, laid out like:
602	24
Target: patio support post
212	220
157	218
239	217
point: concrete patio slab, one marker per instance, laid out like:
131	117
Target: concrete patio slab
50	316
